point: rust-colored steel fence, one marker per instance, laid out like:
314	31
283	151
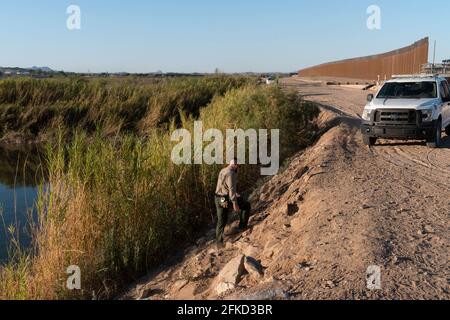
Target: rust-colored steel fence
408	60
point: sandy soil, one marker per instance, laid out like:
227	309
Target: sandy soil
337	209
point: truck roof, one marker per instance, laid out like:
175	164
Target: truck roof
416	78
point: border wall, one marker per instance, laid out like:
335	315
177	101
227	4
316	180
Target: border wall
407	60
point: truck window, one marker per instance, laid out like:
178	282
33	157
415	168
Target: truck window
409	90
445	90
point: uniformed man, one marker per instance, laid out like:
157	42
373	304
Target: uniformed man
227	199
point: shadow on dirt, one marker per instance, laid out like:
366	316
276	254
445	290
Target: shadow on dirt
397	143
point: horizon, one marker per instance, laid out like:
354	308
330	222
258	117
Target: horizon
200	37
150	72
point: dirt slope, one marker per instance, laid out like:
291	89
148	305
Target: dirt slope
338	208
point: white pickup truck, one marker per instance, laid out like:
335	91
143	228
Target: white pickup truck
408	107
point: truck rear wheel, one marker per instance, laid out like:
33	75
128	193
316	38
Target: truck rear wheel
369	141
435	142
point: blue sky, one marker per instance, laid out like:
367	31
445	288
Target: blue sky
201	35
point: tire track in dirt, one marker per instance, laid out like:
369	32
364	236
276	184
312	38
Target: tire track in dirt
421	161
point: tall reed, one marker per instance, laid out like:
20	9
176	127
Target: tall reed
36	109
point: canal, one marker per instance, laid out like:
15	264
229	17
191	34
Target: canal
21	174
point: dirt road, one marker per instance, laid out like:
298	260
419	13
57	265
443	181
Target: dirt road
405	190
338	209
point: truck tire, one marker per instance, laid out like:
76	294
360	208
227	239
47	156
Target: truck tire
447	131
369	141
435	142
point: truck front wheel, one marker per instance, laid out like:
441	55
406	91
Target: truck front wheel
369	141
435	142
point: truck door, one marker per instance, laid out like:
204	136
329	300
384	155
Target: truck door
445	96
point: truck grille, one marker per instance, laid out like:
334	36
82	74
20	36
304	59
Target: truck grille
396	116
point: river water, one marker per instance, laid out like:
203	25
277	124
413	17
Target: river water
20	176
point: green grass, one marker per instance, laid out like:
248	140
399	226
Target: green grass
117	207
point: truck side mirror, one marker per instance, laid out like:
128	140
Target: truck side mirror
369	97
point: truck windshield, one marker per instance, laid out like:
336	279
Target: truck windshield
409	90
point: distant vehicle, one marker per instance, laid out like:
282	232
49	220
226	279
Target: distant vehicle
408	107
270	80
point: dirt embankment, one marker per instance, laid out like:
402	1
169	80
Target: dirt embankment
338	208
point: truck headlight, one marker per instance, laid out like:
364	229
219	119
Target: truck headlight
427	115
366	114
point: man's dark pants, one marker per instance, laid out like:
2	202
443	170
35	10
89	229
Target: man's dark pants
223	213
